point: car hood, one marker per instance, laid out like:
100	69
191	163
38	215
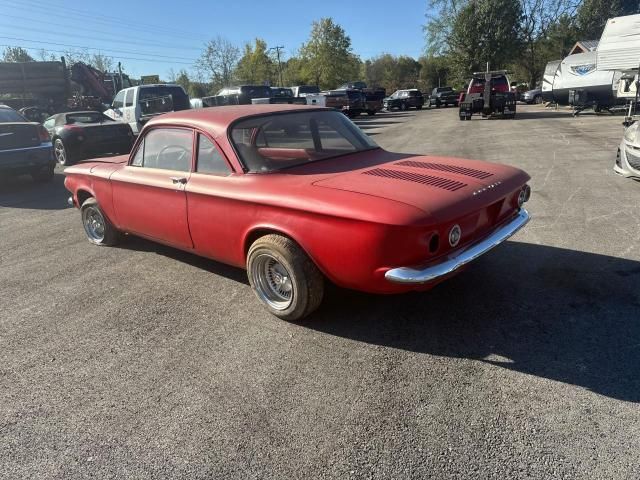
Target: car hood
442	187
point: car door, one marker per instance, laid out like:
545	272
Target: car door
149	193
215	214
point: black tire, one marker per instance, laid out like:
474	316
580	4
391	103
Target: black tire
61	153
437	105
91	213
44	174
371	113
537	99
418	107
403	106
305	281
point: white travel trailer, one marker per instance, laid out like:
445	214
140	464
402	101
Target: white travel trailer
619	49
579	83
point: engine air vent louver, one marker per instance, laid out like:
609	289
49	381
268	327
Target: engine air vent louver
469	172
439	182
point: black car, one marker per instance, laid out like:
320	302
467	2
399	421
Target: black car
25	147
81	135
404	99
443	96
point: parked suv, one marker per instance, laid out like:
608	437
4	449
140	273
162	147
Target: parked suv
25	147
443	96
137	105
404	99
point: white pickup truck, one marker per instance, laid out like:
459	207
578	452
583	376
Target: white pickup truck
136	105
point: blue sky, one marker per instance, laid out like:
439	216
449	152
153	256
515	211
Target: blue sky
175	31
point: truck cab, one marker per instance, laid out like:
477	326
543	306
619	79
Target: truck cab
137	105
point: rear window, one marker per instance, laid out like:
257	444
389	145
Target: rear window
87	117
273	142
445	89
308	89
257	91
8	115
179	99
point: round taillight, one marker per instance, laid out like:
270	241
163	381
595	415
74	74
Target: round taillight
455	234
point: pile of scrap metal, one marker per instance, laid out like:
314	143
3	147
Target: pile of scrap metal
52	87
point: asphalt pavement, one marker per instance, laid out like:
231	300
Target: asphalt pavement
144	362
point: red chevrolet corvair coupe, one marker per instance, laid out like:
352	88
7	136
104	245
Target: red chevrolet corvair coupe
296	195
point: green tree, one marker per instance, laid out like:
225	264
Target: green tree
485	32
182	79
391	72
218	62
540	18
327	57
593	15
16	54
435	72
440	21
255	66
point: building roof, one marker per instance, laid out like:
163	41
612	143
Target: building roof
584	46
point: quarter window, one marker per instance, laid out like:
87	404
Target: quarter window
165	148
209	158
129	100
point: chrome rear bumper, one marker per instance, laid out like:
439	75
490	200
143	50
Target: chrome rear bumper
423	274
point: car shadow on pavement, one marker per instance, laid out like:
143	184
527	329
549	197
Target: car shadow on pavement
23	192
142	245
560	314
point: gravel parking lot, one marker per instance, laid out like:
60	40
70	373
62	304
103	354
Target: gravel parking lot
145	362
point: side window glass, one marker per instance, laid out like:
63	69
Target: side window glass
129	100
137	159
168	149
118	101
209	158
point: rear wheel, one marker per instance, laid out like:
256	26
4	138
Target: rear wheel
61	153
537	99
284	278
97	227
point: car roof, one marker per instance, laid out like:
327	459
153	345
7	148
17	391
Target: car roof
215	120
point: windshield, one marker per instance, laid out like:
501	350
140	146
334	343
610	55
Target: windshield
273	142
8	115
87	117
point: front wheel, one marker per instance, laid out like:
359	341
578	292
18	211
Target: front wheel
403	106
284	278
97	227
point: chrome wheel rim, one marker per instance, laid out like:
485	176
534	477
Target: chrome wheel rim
60	153
94	224
272	281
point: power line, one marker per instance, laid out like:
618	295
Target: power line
62	52
67	34
101	50
101	18
75	27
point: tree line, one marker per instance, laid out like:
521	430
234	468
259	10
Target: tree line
461	36
518	35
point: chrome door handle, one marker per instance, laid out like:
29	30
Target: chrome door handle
181	180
